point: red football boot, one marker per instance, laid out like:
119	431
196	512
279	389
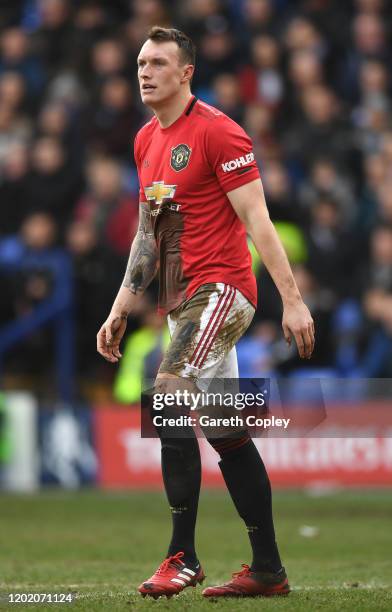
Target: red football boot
171	577
251	584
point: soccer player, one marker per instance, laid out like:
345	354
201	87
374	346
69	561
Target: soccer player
200	194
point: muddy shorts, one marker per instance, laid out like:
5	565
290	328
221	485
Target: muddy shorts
204	331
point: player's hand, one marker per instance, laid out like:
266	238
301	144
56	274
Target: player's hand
110	336
297	321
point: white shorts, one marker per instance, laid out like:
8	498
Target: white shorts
204	331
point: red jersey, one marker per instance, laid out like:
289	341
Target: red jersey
185	171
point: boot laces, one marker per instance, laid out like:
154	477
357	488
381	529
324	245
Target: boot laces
162	569
244	572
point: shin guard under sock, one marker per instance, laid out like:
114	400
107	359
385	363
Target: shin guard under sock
181	470
247	481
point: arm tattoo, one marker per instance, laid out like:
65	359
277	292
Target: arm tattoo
143	258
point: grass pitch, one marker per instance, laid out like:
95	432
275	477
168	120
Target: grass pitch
100	546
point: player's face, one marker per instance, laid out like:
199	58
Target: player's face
160	72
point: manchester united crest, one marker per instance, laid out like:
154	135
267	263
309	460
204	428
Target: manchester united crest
180	156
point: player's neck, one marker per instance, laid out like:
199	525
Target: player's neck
169	113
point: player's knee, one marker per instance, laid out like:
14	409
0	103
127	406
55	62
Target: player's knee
172	424
167	383
228	445
169	396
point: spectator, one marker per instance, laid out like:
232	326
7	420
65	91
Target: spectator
304	70
263	80
368	205
376	360
144	15
108	59
281	200
227	96
14	129
334	253
379	271
302	35
332	20
259	17
260	125
90	24
377	282
197	15
386	152
326	180
105	205
369	43
54	184
16	57
12	92
97	275
114	121
56	121
217	55
322	132
28	287
14	192
150	12
52	38
385	203
374	84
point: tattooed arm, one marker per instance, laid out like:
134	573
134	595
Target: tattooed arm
142	263
140	271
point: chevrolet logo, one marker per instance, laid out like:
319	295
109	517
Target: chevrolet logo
158	192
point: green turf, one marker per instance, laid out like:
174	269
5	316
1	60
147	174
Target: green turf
101	546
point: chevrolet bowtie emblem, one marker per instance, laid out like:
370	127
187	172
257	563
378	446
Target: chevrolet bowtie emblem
158	192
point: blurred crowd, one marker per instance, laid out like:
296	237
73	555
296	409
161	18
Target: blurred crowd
307	79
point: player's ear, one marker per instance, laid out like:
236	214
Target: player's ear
187	74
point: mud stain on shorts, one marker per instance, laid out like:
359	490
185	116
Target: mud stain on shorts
174	357
188	317
232	330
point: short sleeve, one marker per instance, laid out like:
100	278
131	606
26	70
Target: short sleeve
230	154
136	155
